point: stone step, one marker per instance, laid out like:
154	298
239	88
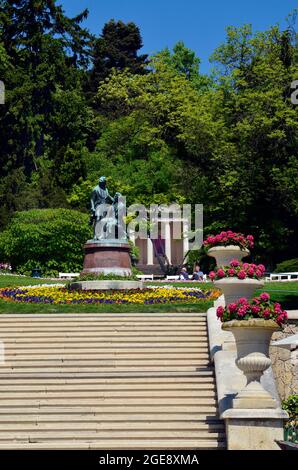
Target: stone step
80	356
107	382
104	401
139	379
96	316
36	394
100	350
150	369
106	419
99	425
65	374
137	323
135	444
103	388
96	435
142	335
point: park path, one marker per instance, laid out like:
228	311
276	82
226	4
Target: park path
107	381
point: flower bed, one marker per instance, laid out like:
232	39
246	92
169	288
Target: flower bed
259	307
239	270
229	238
61	295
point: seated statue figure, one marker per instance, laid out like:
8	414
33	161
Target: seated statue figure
107	213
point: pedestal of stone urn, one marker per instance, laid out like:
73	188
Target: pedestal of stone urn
107	257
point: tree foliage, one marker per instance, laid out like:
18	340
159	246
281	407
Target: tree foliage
78	106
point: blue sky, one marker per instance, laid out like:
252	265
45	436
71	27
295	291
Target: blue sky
199	23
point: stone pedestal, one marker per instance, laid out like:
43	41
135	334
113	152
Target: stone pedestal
225	254
254	429
233	288
107	285
107	257
252	341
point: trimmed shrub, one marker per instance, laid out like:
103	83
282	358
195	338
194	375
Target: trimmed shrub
288	266
50	239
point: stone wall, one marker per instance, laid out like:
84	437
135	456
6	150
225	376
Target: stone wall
285	363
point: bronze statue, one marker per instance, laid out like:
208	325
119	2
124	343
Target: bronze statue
107	213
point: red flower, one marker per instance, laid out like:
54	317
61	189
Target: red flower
242	301
232	308
231	272
241	275
220	311
265	297
266	313
234	263
212	275
242	310
251	272
262	268
277	308
255	309
221	273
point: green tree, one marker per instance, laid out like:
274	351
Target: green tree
117	48
186	63
45	114
257	182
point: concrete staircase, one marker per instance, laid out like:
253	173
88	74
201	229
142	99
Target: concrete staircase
107	381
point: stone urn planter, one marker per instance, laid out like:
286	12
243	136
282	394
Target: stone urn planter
225	254
252	339
233	288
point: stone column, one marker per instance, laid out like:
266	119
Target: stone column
150	254
185	229
168	241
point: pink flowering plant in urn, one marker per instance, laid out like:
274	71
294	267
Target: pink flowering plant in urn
238	270
252	324
230	238
260	307
227	246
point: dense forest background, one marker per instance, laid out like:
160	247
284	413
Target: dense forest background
78	106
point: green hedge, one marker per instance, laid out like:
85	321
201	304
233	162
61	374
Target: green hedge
288	266
48	239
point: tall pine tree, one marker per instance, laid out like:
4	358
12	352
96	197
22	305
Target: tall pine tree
117	48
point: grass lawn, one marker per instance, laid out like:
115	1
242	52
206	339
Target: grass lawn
18	281
284	292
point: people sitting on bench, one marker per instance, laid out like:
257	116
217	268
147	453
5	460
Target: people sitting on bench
198	275
184	276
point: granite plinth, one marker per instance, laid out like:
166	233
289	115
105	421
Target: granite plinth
107	257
